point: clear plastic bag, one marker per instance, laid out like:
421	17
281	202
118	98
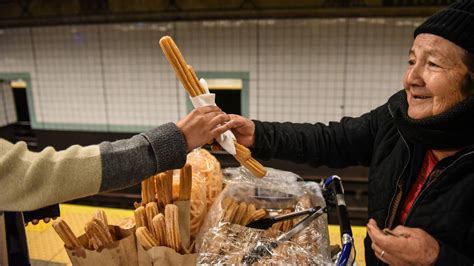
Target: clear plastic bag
224	238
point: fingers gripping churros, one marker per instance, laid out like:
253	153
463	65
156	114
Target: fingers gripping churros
189	79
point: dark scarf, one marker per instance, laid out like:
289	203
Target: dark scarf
449	130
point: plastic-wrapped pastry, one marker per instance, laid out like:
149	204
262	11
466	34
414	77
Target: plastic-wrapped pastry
224	238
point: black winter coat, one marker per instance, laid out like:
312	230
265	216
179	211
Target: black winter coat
445	206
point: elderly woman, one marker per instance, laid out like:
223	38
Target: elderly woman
419	147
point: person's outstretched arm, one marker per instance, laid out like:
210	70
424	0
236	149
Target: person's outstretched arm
30	180
338	144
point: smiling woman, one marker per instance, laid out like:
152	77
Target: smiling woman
434	77
419	147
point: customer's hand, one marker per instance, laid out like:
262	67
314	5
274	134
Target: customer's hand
203	124
412	246
243	129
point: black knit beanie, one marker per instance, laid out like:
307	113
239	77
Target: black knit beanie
455	23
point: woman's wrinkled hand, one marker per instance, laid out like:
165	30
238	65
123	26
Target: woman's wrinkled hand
202	125
243	129
410	246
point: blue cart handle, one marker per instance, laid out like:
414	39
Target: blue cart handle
347	240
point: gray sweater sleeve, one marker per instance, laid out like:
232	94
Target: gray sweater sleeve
127	162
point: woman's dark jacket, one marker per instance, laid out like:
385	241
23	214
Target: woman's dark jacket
445	206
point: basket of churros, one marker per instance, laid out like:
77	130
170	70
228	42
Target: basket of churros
102	244
274	220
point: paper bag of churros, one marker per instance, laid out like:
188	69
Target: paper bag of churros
226	238
102	244
174	205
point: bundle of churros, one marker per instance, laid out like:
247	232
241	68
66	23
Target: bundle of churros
164	219
161	230
97	232
189	79
101	243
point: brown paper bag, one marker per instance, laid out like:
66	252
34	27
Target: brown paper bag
121	252
164	256
184	216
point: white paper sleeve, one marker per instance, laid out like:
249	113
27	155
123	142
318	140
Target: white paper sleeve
226	139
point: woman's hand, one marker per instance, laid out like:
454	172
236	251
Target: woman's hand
243	129
202	125
412	246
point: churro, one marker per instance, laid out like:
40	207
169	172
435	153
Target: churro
159	225
148	190
248	214
241	211
185	182
151	210
140	216
99	233
243	155
145	238
65	233
180	67
100	214
172	227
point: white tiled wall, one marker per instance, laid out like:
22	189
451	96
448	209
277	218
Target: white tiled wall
301	65
376	59
69	75
7	110
10	111
221	46
115	75
140	88
16	55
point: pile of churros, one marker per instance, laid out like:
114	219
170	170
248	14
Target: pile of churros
157	217
190	82
159	230
240	213
97	232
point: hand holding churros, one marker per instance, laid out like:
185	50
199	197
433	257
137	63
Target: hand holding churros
189	79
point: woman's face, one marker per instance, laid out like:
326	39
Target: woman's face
434	76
